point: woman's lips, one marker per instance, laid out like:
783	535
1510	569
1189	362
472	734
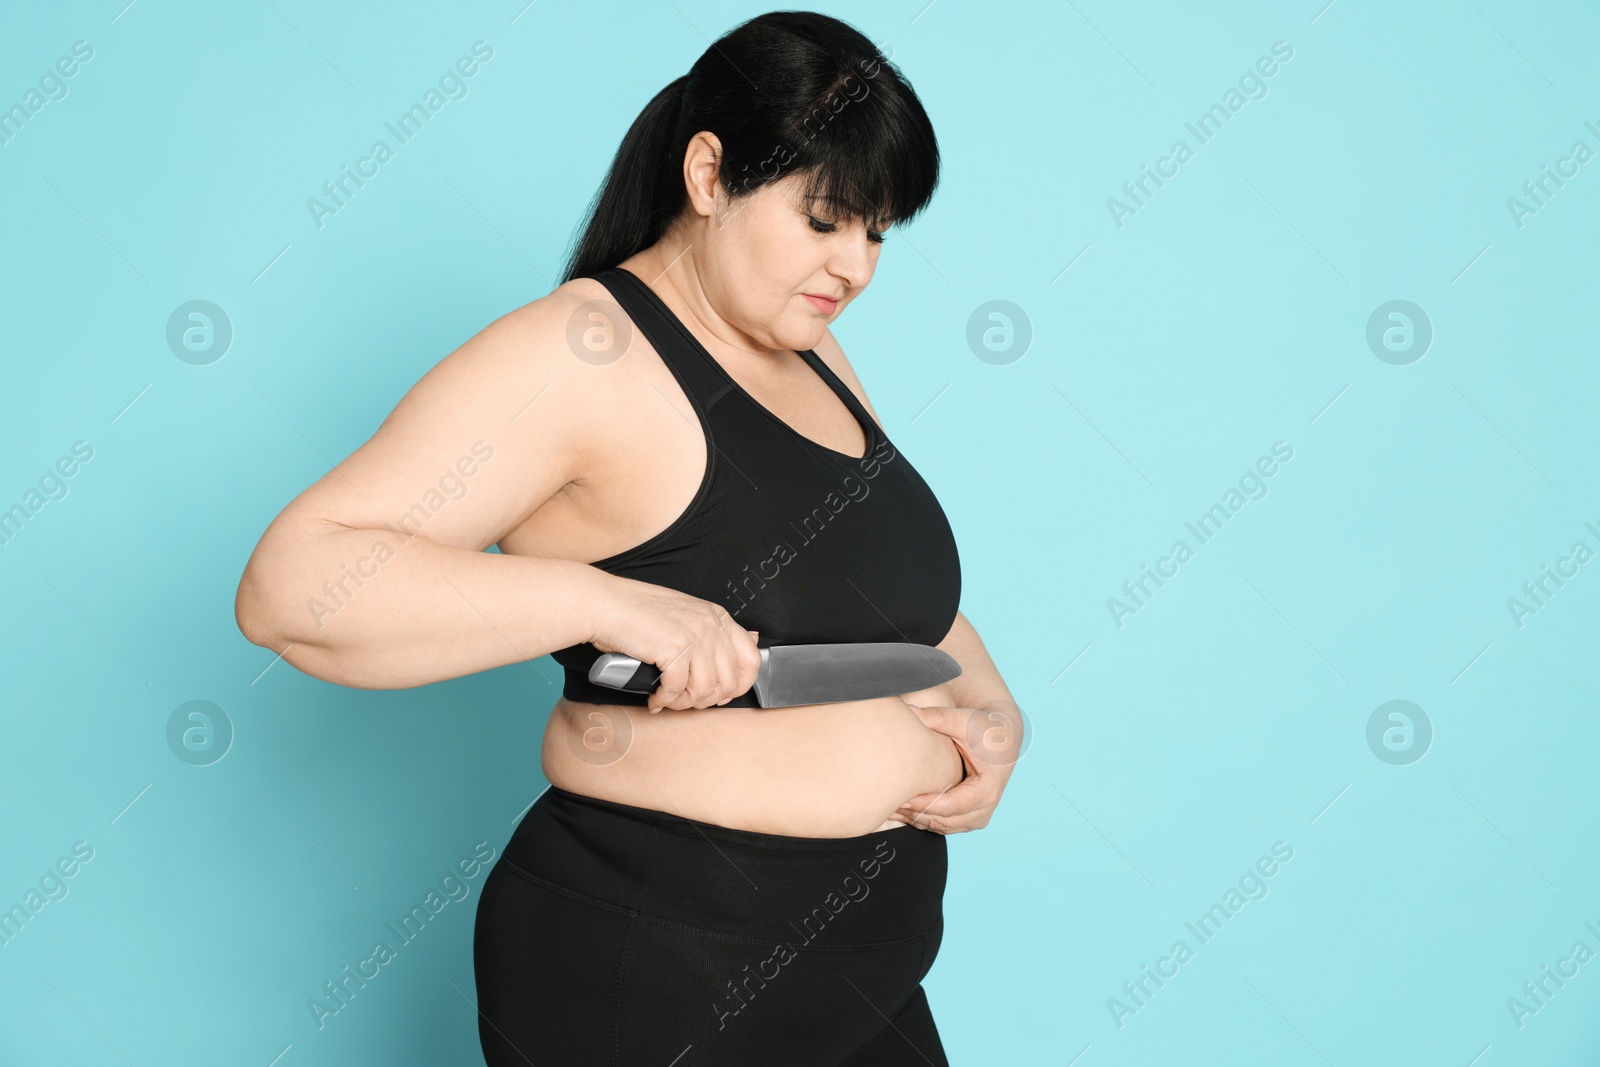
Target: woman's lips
822	303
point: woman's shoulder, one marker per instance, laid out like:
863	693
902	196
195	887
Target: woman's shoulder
541	360
551	313
565	332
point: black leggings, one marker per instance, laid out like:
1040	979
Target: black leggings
614	935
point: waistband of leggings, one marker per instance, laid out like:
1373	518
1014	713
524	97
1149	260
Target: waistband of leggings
867	889
730	835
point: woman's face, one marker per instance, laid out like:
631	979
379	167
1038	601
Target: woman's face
760	256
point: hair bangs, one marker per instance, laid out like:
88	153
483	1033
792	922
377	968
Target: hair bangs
861	160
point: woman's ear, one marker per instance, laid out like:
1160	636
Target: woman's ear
702	167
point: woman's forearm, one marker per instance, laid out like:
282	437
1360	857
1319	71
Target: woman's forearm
980	686
979	682
375	610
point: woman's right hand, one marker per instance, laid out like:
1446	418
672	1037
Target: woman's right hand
705	657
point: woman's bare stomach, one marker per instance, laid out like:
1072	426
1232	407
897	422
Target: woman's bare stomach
817	770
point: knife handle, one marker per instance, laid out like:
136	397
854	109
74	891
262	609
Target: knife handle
617	671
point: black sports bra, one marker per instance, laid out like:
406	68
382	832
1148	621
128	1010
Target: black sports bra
796	540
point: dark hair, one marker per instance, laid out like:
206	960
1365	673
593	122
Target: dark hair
788	92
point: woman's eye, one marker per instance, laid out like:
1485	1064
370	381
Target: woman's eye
823	226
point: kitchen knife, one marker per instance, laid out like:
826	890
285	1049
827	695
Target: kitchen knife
810	674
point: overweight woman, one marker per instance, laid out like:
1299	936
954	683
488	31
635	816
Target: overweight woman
678	464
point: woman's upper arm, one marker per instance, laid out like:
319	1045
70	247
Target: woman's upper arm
484	438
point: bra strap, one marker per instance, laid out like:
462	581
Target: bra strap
666	335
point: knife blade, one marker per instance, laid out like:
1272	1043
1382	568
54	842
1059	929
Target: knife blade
826	673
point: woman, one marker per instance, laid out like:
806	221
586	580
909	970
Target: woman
678	464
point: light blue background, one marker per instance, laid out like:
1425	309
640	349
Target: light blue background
1228	313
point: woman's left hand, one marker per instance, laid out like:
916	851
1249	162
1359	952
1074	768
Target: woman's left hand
990	741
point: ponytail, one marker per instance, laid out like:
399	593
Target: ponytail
643	192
